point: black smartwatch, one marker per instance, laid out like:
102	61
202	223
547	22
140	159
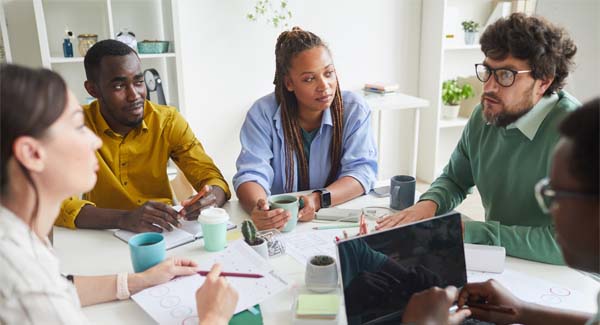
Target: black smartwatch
325	197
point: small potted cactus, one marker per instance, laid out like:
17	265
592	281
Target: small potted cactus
258	244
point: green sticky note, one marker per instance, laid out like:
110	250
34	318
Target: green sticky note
315	305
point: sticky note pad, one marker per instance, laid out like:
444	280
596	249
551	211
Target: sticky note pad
318	306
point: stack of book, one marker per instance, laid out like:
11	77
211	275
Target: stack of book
381	88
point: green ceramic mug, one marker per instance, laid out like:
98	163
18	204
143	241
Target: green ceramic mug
289	203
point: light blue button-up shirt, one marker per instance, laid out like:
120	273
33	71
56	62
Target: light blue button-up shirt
262	159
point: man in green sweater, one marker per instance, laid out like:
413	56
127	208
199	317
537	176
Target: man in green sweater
505	147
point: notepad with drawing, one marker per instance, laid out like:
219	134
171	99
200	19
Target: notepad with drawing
189	232
317	306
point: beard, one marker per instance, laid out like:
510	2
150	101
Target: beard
507	114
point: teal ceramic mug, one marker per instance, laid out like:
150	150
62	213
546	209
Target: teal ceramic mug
289	203
147	249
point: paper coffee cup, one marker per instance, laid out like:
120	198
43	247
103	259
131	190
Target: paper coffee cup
214	228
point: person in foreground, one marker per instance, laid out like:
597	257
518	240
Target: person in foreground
138	138
47	154
306	135
506	145
572	196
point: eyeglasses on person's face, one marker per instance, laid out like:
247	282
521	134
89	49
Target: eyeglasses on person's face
504	77
545	194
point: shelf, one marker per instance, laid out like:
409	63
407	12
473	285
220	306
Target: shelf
457	122
66	60
79	59
158	55
461	47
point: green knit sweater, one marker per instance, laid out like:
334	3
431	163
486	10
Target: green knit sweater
505	164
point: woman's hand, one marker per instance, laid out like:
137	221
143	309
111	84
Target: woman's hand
264	218
312	204
161	273
215	299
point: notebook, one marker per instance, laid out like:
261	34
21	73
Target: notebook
189	232
382	270
317	306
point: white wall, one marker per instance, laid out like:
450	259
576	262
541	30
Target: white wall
229	62
582	19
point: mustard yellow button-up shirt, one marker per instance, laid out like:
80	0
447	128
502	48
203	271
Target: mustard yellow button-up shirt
133	168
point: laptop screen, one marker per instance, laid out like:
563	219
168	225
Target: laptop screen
380	271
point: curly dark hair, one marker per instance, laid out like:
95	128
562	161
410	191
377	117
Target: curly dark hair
583	128
548	49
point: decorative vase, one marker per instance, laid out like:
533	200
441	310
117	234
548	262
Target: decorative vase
321	277
450	112
470	37
262	248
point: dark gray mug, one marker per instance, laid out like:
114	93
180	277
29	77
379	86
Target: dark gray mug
402	192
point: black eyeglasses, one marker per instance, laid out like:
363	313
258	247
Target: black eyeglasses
504	77
545	194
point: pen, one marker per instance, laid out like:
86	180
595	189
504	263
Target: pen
351	225
496	308
239	275
196	197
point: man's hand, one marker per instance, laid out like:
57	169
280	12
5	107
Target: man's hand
264	218
210	196
491	292
152	216
215	299
431	307
421	210
312	204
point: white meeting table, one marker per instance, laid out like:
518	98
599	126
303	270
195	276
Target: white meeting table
98	252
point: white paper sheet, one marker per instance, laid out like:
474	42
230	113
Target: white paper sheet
534	290
174	302
305	244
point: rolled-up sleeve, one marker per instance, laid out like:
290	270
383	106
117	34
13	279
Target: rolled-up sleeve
187	152
359	158
69	210
254	162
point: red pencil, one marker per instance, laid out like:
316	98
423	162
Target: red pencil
239	275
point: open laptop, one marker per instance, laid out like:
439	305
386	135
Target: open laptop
380	271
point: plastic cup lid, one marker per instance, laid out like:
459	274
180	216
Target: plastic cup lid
213	216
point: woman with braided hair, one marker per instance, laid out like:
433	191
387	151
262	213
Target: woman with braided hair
306	135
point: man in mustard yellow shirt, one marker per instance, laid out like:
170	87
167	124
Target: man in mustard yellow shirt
139	137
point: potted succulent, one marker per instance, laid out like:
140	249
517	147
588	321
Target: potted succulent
471	28
452	94
321	274
258	244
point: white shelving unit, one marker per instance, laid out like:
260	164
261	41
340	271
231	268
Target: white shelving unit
148	19
443	59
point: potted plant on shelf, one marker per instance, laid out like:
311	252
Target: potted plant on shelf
452	94
321	274
258	244
471	28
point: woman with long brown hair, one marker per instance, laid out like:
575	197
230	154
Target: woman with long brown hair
47	154
306	135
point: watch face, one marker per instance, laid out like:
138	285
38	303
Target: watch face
150	80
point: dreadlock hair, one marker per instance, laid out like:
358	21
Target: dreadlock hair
289	45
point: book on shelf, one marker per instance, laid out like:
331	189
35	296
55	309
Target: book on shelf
381	88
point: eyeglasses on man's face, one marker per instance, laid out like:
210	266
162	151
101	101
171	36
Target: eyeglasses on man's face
545	194
504	77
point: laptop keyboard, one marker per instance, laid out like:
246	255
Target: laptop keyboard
473	321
